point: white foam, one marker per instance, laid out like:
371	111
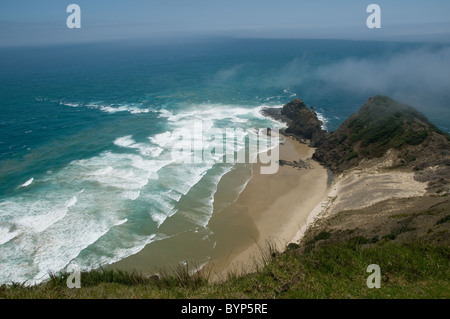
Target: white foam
114	170
210	112
67	103
127	179
130	248
48	242
43	216
133	108
72	104
125	141
37	224
6	235
291	94
323	119
151	167
58	255
164	204
102	171
51	227
132	195
71	202
27	183
208	200
185	177
158	218
173	195
162	139
164	113
122	108
144	149
121	222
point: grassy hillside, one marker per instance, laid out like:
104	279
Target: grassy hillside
382	124
332	270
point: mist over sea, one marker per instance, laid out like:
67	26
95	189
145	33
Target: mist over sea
86	172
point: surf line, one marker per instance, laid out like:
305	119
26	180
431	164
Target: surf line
195	146
27	183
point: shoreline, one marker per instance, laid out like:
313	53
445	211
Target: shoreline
271	208
270	211
294	210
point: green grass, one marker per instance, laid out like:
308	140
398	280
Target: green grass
443	220
352	155
413	270
323	235
388	125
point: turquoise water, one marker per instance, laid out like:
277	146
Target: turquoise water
86	168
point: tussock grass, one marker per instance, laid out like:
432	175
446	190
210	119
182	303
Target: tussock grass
183	275
333	270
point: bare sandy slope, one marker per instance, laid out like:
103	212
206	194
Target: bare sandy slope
370	182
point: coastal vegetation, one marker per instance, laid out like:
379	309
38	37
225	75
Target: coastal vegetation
409	238
332	270
380	125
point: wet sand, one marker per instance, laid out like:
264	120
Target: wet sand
272	208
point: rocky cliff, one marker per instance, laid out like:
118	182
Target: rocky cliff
384	125
302	121
381	127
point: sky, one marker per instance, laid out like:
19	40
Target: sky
31	22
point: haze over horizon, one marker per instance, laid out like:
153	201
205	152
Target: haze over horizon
25	23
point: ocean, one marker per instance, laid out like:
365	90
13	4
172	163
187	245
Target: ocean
87	174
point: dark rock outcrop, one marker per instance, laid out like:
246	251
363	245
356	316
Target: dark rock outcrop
275	113
300	164
380	125
302	122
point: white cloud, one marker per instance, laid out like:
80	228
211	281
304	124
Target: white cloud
417	77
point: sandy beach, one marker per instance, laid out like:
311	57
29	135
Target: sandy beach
279	208
272	208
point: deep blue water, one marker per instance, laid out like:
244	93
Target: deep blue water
85	167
